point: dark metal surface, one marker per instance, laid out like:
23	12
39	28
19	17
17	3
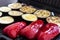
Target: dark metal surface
55	3
52	5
